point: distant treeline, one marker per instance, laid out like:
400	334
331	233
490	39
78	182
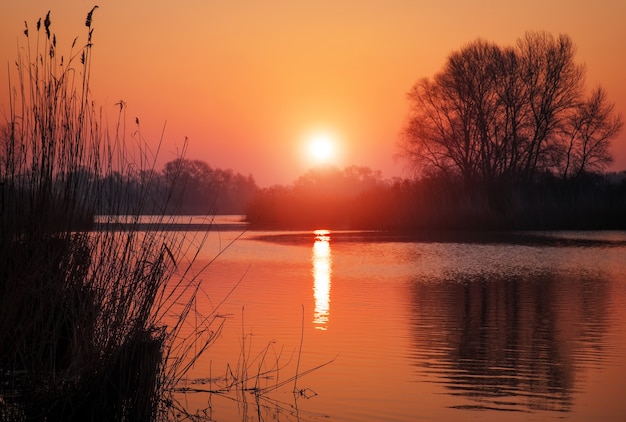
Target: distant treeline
357	198
183	186
200	189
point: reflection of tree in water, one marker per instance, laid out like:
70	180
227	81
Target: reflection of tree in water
509	343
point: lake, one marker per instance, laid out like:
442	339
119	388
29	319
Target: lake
373	326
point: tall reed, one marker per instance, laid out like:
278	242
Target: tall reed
82	304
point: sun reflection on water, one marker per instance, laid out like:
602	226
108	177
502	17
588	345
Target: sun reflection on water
322	269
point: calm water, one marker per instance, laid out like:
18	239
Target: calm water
519	328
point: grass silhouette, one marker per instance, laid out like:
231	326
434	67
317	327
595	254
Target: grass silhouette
83	332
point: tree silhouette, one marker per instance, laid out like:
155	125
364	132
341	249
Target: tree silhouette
592	127
509	113
199	188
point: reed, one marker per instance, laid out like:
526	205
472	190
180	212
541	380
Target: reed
83	305
254	379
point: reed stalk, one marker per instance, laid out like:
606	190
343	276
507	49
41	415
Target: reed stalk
83	305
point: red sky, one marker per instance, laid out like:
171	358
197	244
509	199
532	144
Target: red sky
248	81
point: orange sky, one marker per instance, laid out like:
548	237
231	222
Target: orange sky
247	81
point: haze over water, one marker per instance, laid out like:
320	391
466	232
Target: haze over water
523	328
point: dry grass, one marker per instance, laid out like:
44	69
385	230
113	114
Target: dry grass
82	334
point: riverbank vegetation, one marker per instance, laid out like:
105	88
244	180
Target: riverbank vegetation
182	187
592	201
82	313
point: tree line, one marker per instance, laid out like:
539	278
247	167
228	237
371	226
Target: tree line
329	198
323	197
183	186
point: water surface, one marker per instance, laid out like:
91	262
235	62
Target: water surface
522	327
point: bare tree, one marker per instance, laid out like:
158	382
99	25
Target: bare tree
591	128
553	87
508	113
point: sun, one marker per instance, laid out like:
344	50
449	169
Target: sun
322	148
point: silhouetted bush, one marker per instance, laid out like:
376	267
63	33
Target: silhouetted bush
591	201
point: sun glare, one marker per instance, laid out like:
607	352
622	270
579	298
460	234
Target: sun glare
322	148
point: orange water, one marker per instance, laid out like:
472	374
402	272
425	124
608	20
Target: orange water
414	330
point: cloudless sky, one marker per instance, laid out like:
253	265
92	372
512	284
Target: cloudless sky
249	81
